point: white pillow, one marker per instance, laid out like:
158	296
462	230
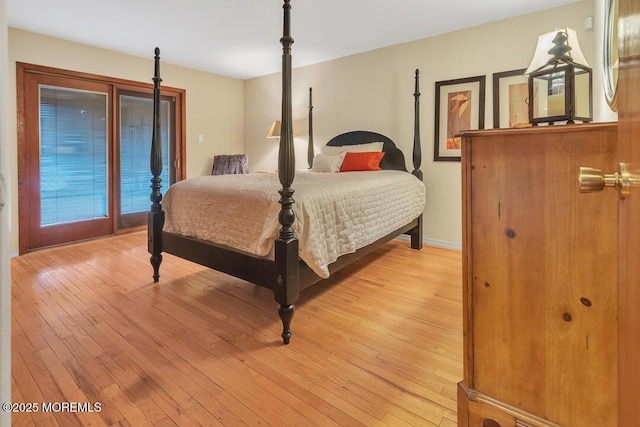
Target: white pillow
326	163
331	151
359	148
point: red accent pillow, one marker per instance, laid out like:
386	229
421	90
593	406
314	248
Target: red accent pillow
369	161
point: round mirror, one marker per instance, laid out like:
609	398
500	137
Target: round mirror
611	59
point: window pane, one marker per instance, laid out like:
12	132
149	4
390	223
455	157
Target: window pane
136	122
73	155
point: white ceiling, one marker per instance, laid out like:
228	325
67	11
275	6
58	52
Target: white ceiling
240	38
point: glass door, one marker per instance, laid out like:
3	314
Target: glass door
69	162
73	156
83	153
135	117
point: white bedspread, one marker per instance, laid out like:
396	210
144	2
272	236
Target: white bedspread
336	213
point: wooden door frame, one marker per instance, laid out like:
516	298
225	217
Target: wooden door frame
22	70
628	227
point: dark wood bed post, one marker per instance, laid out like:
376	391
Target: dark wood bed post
416	234
310	152
286	287
417	150
156	215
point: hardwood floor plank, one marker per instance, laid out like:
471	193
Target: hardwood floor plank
201	416
194	386
392	420
139	357
24	419
377	344
132	413
29	388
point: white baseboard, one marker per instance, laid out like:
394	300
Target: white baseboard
443	244
436	243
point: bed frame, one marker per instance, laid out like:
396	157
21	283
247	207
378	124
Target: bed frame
286	274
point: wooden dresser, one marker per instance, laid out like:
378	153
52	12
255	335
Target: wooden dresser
539	262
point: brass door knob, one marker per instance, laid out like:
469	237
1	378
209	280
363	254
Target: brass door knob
592	180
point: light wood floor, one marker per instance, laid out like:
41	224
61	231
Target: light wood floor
377	344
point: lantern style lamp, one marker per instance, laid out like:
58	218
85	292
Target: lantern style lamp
559	80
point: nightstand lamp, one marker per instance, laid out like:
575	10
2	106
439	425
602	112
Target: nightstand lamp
560	81
274	130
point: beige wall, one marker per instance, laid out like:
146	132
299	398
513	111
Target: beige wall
374	91
214	103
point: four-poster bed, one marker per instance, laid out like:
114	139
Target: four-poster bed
287	268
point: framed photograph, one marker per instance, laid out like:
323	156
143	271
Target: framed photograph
459	106
510	94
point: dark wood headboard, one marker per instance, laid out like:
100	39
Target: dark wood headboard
393	157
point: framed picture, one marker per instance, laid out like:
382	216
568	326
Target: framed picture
510	95
459	106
